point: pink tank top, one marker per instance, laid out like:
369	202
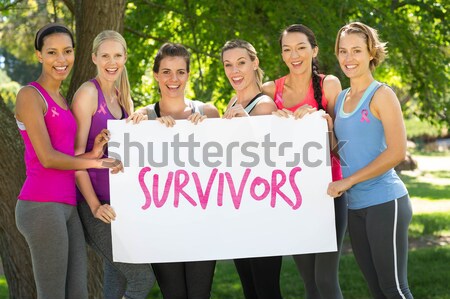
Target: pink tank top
48	184
310	100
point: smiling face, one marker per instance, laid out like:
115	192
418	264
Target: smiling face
297	52
110	60
239	68
353	55
172	76
57	56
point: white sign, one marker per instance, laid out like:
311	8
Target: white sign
221	189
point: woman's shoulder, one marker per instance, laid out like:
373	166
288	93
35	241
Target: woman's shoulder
384	94
86	96
29	99
268	88
264	98
207	109
331	80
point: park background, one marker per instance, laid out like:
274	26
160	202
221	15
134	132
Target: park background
417	68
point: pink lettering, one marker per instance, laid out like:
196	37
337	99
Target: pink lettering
277	185
160	203
237	197
256	182
204	197
148	199
220	190
298	195
178	188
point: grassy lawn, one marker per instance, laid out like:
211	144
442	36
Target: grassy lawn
429	185
429	273
428	278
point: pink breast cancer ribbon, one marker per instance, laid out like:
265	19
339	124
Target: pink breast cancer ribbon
102	109
364	117
54	112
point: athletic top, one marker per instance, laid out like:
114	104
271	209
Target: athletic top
99	177
153	111
365	138
48	184
252	104
310	100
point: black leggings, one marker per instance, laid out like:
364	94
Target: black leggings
260	277
186	280
379	237
319	271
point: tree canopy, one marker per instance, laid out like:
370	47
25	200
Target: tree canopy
416	31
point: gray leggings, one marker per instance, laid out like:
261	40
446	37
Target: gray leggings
320	270
134	281
55	237
379	237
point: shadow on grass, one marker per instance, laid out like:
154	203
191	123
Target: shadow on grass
427	273
429	224
425	190
442	174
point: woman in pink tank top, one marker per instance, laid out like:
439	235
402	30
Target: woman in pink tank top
304	91
46	212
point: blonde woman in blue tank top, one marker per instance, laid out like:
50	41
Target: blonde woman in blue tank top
369	119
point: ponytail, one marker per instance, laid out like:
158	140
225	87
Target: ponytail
317	84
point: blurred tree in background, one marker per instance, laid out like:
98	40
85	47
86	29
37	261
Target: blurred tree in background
417	66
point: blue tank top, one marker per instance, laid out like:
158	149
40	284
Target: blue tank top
365	138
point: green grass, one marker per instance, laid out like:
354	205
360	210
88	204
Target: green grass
430	224
428	273
3	288
432	285
432	185
428	267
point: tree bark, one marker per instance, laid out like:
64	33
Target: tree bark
91	18
14	250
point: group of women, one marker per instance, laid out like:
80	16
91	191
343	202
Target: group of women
65	148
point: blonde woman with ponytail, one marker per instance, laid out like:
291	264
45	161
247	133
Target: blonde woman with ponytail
107	96
241	65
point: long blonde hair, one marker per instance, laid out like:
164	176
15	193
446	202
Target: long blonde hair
122	83
242	44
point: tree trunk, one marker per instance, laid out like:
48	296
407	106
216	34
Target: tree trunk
91	18
14	250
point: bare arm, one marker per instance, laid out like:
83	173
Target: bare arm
210	111
386	107
332	87
268	89
84	105
264	107
30	110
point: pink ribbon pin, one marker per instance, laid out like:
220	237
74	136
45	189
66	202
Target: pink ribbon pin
102	109
54	112
364	117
